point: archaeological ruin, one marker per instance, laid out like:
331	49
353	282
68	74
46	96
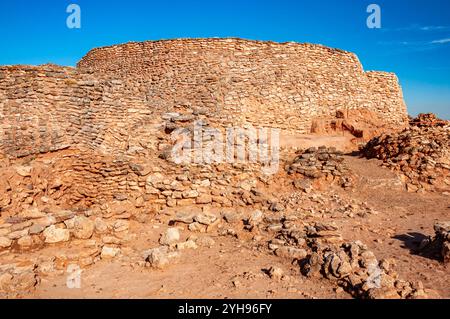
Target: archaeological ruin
87	168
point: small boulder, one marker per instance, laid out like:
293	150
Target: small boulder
159	257
54	235
82	227
291	252
170	237
275	273
109	252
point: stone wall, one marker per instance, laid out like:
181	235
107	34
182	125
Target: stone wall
49	108
128	88
264	83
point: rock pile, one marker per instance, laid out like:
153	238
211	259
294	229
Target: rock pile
357	270
427	120
321	251
316	163
17	278
421	153
439	245
202	222
102	231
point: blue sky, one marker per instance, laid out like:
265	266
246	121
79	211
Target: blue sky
414	40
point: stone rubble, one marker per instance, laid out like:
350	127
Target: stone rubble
357	270
17	278
439	245
322	162
160	257
421	153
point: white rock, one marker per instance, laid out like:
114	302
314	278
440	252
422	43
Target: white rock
256	217
171	236
205	218
23	171
109	252
248	184
190	194
56	235
159	257
190	244
155	179
275	273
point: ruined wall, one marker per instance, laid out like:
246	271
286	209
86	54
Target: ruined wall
49	108
115	99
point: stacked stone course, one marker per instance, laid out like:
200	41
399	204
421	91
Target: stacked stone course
121	89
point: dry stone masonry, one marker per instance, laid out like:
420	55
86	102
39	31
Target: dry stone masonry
126	88
86	162
321	162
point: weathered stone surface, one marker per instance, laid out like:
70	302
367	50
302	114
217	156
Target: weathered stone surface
25	242
446	252
23	171
5	242
291	252
231	217
121	226
109	252
316	163
275	273
189	244
190	194
357	270
81	227
186	218
203	199
18	278
255	218
160	257
205	218
54	235
101	227
205	241
36	229
197	227
170	237
439	245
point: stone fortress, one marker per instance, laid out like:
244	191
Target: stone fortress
127	88
106	123
86	173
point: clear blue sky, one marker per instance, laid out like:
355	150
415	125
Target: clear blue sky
414	40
